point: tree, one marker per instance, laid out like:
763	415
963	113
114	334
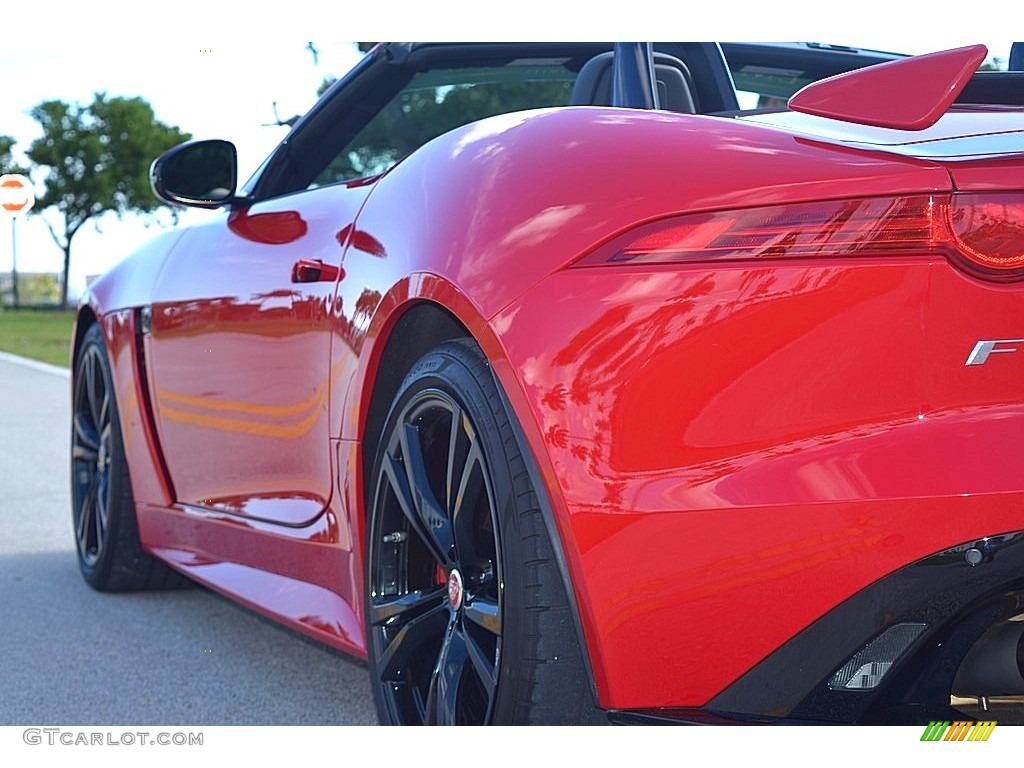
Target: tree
7	164
993	64
98	159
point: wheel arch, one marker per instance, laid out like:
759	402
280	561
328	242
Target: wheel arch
416	315
420	327
121	335
85	319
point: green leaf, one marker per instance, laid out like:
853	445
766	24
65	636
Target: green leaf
96	158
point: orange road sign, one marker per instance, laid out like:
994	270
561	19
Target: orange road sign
16	194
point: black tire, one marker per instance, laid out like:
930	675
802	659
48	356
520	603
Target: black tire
103	511
468	620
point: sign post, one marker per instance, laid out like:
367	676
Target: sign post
14	261
16	199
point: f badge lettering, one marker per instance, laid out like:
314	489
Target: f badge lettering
983	349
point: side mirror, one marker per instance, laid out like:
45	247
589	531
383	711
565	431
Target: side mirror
201	174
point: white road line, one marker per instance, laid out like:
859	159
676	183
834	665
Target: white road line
35	365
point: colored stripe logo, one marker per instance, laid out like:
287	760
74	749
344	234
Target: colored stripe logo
960	730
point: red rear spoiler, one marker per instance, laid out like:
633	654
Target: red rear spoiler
910	94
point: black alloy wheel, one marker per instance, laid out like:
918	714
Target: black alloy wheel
91	443
468	619
435	602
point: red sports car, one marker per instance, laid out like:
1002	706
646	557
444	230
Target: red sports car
564	391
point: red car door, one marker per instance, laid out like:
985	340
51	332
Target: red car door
240	350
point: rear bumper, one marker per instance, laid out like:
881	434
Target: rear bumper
956	595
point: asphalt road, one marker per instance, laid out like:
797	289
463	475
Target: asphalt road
72	656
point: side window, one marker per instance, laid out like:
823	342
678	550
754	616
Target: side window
767	74
761	87
435	102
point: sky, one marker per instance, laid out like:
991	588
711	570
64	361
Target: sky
216	75
224	90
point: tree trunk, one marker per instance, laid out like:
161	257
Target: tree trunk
67	274
64	245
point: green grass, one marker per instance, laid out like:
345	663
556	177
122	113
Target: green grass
40	334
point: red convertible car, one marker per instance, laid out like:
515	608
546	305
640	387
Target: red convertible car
563	391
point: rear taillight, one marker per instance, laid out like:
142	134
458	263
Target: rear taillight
988	231
984	233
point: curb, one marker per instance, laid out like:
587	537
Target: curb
35	365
